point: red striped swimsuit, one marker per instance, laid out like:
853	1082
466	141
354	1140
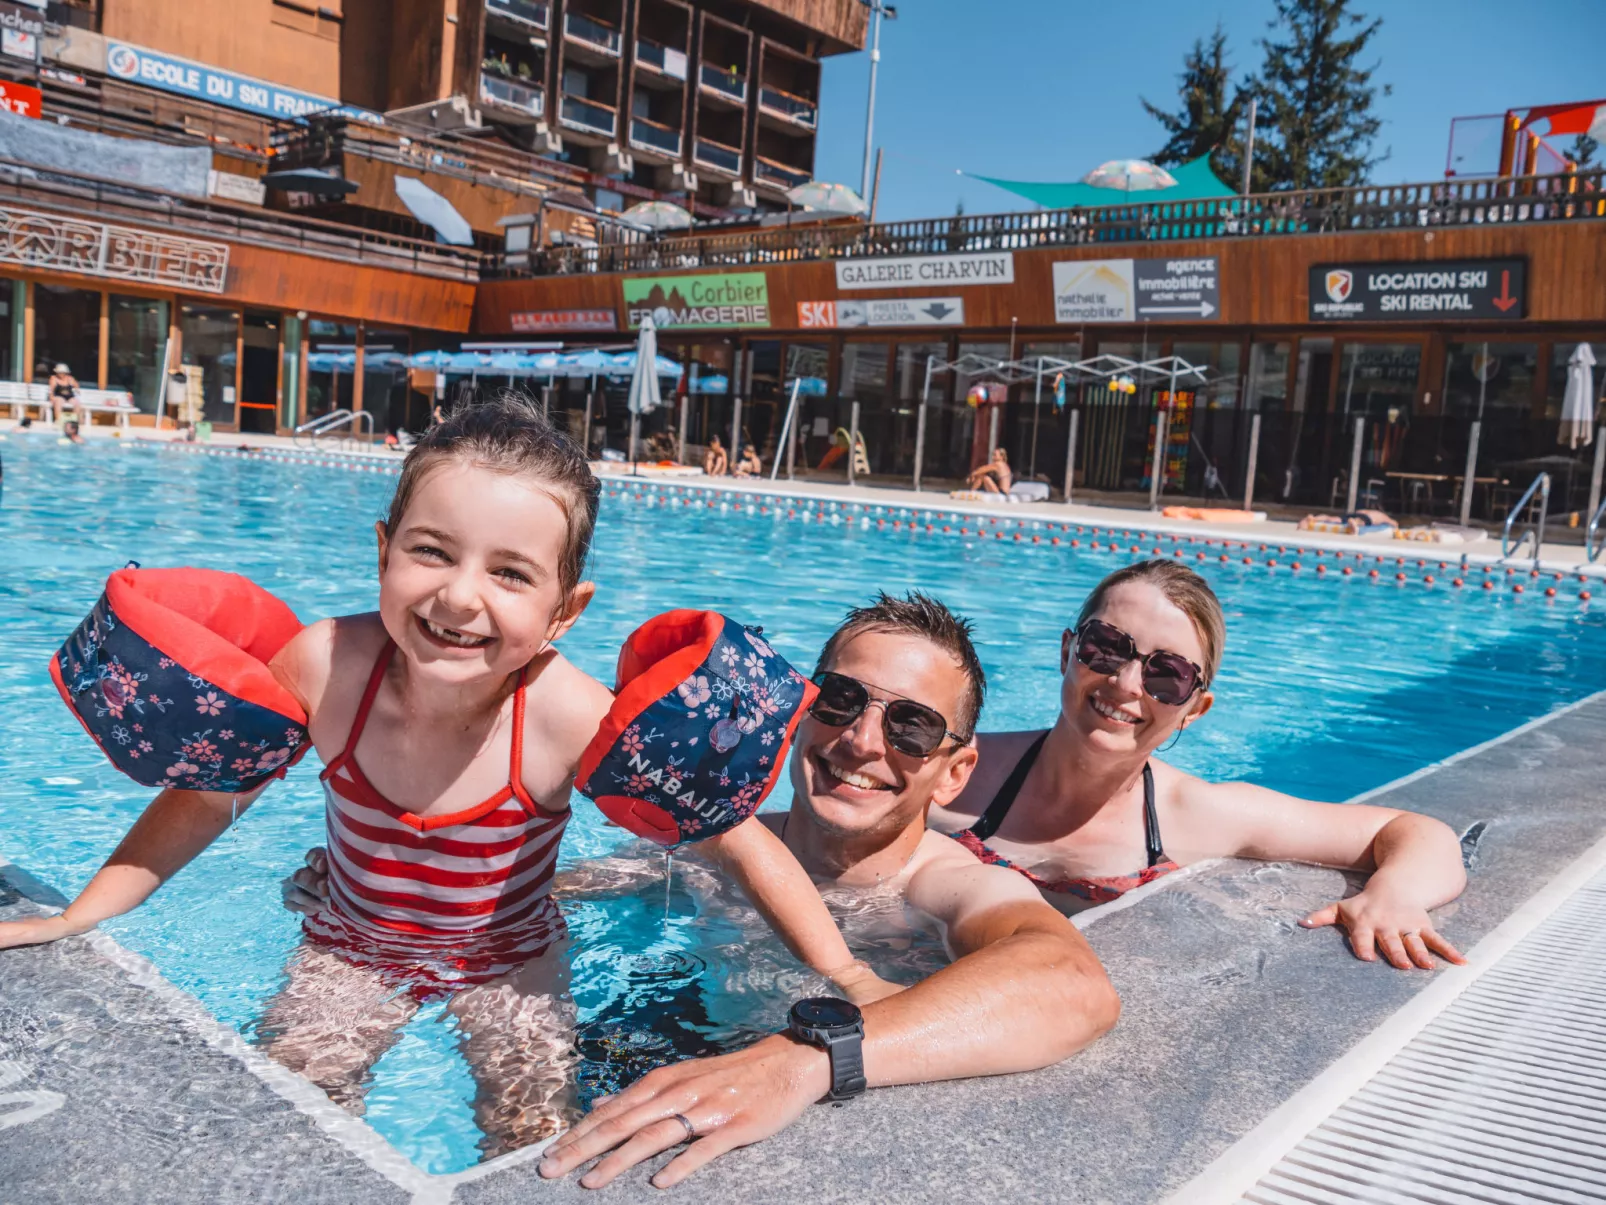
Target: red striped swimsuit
446	901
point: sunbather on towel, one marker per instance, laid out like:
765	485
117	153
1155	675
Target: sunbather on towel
994	477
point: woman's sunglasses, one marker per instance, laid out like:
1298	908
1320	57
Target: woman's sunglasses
1168	678
911	728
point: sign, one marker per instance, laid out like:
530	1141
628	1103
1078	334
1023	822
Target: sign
978	268
1464	288
716	299
536	322
171	74
895	311
21	99
1140	290
51	241
232	186
20	31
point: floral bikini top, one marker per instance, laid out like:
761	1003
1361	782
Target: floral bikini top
1097	890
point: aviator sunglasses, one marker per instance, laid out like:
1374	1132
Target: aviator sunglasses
911	728
1168	678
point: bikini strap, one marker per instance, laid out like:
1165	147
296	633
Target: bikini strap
360	720
987	823
1151	822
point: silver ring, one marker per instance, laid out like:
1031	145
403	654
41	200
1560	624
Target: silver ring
1411	933
691	1130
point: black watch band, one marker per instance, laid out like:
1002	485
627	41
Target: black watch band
837	1028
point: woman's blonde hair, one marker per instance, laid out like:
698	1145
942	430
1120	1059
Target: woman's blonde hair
1185	590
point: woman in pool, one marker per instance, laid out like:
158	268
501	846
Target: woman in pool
1087	812
451	729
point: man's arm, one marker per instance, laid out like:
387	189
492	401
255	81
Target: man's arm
1025	991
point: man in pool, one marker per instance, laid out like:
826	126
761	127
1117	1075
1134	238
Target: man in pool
891	734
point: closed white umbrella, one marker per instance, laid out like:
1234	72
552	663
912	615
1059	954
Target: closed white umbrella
644	396
1578	406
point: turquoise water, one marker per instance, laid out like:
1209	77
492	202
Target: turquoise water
1330	687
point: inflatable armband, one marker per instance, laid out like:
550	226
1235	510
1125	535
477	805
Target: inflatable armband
699	729
169	674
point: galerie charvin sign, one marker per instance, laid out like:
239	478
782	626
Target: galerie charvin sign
172	74
1476	288
728	299
976	268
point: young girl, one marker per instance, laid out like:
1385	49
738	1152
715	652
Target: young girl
451	729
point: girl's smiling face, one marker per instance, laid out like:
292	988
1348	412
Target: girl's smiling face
469	583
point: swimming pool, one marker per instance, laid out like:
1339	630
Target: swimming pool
1330	688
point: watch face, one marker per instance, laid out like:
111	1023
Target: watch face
825	1012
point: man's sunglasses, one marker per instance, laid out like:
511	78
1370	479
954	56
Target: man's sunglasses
911	728
1168	678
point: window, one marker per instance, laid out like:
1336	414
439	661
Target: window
66	331
1556	385
385	391
211	344
1489	378
1378	379
331	366
136	343
1268	376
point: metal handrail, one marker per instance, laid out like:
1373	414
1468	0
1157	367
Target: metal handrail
1592	548
1508	550
334	420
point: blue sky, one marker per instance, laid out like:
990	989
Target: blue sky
1048	89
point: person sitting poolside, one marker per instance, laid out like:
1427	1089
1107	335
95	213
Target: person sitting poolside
995	476
715	462
65	395
1086	812
749	465
874	753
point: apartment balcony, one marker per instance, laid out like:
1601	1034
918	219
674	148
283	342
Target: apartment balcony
532	13
509	95
718	156
589	35
588	116
654	137
789	108
661	60
778	175
727	85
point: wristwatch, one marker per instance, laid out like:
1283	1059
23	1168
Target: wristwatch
837	1027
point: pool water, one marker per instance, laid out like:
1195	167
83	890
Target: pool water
1330	687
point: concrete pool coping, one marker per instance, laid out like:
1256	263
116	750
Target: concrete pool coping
1554	556
1235	1021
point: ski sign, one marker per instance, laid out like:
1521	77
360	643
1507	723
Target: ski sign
1410	292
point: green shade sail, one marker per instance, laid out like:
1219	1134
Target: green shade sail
1195	182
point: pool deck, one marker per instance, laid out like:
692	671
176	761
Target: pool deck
1555	555
1241	1034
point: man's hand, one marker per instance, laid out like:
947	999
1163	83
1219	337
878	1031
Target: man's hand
729	1101
37	930
307	890
1376	920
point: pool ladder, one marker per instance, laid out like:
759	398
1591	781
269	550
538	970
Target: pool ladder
326	424
1593	545
1535	531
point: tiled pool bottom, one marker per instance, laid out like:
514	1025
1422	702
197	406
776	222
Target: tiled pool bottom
1330	688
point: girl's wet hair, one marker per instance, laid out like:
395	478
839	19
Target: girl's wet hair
507	434
1183	589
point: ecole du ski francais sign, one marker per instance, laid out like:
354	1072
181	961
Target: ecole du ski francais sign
1409	292
717	299
902	272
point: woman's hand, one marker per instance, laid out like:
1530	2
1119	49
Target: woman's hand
307	890
1377	920
862	985
724	1102
38	930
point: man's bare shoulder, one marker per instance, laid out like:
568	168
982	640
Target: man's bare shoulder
946	881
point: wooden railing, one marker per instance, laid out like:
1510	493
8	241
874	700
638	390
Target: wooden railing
1563	197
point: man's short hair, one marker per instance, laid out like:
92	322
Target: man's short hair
919	615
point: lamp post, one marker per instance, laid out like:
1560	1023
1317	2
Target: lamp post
878	9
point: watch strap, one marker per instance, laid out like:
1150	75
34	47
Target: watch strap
846	1052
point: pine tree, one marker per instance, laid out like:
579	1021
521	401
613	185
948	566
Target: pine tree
1316	121
1582	151
1208	123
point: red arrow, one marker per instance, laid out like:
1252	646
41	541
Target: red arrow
1505	301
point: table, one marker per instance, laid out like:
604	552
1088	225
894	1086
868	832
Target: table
1426	482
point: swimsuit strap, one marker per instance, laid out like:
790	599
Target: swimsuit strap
987	823
516	769
1151	822
381	664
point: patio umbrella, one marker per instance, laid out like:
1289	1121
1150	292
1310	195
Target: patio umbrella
644	397
827	198
713	383
435	211
1130	175
658	215
1578	406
